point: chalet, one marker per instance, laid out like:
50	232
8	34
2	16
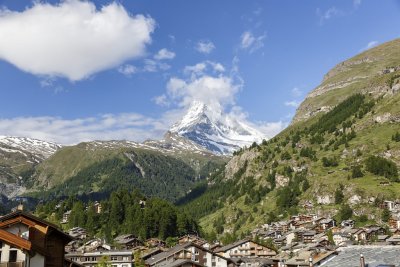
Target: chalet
155	242
359	235
341	238
191	254
128	241
308	236
115	258
280	241
194	239
325	224
78	233
65	218
26	240
347	223
394	222
373	231
282	226
97	207
387	204
246	248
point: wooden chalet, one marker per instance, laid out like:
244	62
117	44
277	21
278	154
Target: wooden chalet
26	240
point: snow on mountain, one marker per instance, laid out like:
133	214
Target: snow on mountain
22	145
214	130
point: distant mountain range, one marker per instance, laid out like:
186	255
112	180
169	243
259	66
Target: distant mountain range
198	145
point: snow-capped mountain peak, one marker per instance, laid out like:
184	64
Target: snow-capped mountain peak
218	132
39	148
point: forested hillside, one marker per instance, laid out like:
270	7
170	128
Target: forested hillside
122	213
92	172
340	161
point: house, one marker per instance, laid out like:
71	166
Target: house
373	231
116	258
97	207
194	239
282	227
190	253
394	222
155	242
28	240
347	223
128	241
359	235
65	218
308	236
78	233
387	204
340	239
325	224
246	248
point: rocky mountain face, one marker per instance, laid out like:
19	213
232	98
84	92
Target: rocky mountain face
333	153
366	73
18	157
217	132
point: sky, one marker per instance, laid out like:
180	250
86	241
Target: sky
73	71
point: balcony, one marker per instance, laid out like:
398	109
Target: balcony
12	264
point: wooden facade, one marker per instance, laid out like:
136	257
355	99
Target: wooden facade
37	242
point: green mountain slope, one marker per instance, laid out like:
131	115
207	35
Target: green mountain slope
342	148
98	168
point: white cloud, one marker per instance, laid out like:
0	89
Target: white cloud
296	92
292	103
205	47
213	91
369	45
328	14
250	42
270	129
164	54
202	67
128	70
126	126
72	39
161	100
154	66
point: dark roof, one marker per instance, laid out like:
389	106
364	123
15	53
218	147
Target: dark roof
180	262
156	258
235	244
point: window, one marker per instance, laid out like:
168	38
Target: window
114	258
13	256
125	258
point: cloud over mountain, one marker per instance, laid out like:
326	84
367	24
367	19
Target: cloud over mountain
72	39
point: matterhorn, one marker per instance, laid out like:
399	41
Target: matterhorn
214	130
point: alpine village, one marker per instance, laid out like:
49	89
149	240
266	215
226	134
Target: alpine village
325	191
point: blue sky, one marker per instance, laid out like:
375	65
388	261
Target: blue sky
74	71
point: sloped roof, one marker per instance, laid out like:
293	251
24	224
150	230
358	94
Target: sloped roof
32	221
